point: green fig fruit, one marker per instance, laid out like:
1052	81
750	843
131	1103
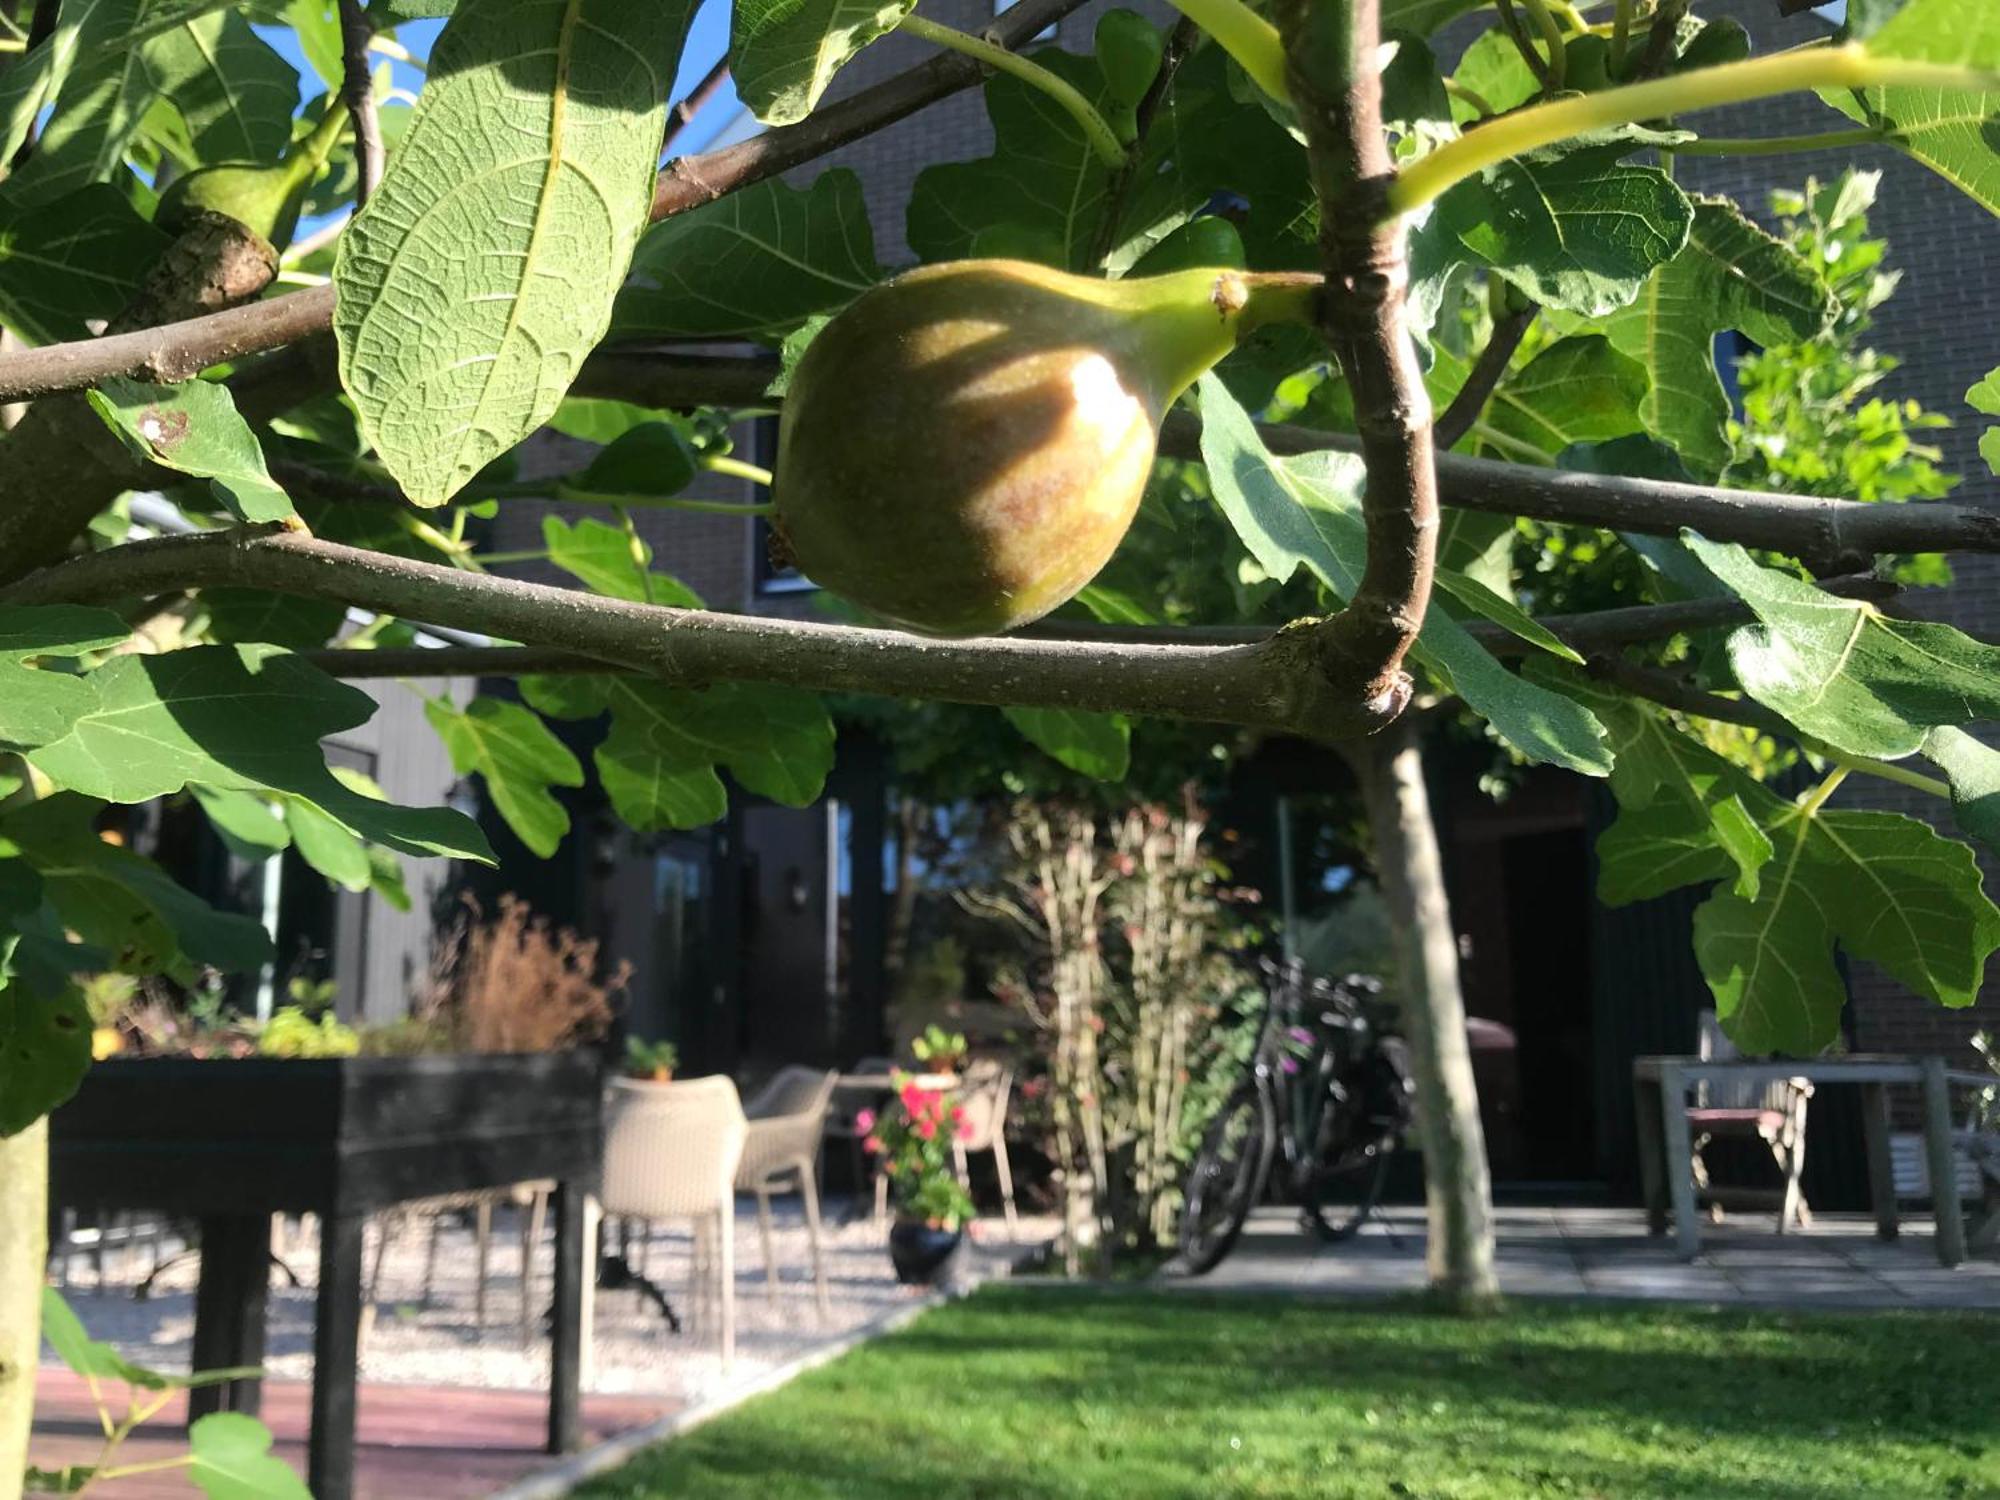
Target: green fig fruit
263	197
965	445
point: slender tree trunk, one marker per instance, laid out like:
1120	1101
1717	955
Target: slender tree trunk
24	1213
1457	1185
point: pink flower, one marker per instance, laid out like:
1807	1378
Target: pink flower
927	1128
864	1120
912	1097
873	1145
965	1131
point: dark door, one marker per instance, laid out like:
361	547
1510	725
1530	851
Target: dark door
1548	908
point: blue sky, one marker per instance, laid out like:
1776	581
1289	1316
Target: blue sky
707	40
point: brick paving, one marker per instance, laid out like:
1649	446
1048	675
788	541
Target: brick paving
1606	1252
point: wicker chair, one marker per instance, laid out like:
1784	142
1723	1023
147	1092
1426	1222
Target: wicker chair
781	1155
984	1095
671	1151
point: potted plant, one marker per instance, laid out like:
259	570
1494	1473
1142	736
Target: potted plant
940	1051
652	1062
911	1142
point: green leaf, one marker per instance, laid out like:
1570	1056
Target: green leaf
519	757
1955	132
44	1047
1095	745
232	96
1844	672
316	24
483	269
601	557
1985	397
1973	769
1044	186
1422	17
1305	511
37	706
148	53
244	822
328	847
240	717
757	261
233	1460
32	82
1482	600
657	764
113	899
195	428
1578	390
1886	888
70	261
1571	225
653	460
250	615
1732	275
783	53
91	1357
594	420
1113	607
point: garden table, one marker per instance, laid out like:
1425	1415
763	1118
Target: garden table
1660	1088
234	1141
885	1083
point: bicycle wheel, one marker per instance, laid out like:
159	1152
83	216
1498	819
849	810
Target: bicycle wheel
1227	1179
1340	1191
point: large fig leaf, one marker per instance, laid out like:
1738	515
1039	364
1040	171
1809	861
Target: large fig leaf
483	270
70	261
783	53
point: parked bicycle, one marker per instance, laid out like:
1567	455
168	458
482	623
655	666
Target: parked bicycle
1327	1097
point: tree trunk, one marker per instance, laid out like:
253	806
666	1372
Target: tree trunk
1458	1187
24	1213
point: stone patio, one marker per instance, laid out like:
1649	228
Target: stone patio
1606	1252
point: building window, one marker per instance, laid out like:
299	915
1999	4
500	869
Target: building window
767	576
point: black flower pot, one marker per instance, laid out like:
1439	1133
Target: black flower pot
920	1252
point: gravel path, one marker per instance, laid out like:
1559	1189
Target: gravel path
440	1341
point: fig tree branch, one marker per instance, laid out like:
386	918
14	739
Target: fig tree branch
358	89
178	351
1332	62
1487	372
1275	684
679	117
1601	631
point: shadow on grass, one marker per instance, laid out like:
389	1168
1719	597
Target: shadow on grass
1068	1395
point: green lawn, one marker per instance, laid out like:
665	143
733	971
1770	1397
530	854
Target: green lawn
1025	1394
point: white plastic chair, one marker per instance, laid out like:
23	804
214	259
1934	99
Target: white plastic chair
983	1096
781	1155
671	1151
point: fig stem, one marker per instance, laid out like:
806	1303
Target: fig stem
660	502
1552	38
1102	138
736	468
1775	145
1842	67
1245	36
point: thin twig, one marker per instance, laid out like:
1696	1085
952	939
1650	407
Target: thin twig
358	89
683	113
1486	375
1181	41
177	351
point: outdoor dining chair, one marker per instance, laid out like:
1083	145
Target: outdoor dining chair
671	1151
984	1096
781	1155
1773	1113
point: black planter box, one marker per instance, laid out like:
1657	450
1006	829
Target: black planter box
231	1141
296	1135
